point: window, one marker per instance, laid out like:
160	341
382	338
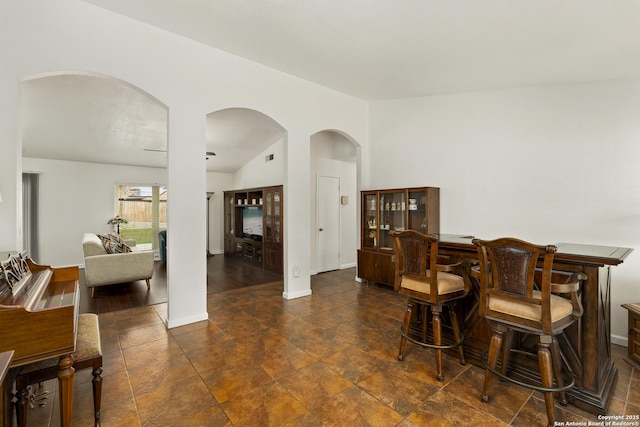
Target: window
145	209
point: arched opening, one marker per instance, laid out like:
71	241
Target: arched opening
85	133
249	149
334	201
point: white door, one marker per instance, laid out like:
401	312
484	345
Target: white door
328	224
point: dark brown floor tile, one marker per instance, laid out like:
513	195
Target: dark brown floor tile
161	311
116	389
631	409
445	410
305	420
155	351
113	362
355	364
215	355
123	414
326	319
505	398
399	390
160	373
534	413
132	337
634	393
268	405
384	348
285	359
260	345
177	402
199	338
314	384
616	407
421	362
235	376
137	318
355	407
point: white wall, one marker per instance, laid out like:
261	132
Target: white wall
191	79
77	198
260	173
546	164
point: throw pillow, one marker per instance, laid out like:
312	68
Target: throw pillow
113	244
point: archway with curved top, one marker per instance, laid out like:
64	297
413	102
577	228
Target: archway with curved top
249	149
334	166
84	132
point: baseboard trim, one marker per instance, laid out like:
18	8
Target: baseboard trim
294	295
187	320
620	340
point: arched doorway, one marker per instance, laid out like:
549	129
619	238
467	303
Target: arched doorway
334	199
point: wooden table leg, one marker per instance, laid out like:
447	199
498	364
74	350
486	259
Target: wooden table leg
65	384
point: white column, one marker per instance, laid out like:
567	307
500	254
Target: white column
186	218
297	251
11	170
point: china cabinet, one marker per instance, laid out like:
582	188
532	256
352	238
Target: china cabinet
384	211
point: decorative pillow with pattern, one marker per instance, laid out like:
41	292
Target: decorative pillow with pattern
113	244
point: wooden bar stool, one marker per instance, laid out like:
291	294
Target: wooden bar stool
88	354
430	286
512	301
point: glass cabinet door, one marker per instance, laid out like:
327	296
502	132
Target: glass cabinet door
393	207
268	216
277	209
417	211
228	215
370	221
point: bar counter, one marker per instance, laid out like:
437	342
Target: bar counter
586	345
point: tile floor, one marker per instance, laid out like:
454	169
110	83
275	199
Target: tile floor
324	360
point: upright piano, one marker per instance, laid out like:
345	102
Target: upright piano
38	320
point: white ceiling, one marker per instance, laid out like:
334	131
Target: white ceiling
376	49
370	49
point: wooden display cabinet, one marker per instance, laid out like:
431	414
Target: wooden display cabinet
384	211
253	226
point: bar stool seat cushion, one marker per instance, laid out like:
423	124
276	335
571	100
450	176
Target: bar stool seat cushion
447	283
560	307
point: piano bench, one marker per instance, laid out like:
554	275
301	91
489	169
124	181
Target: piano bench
88	354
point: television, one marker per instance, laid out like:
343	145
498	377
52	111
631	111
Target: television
252	222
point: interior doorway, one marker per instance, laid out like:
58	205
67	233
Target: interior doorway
328	223
334	160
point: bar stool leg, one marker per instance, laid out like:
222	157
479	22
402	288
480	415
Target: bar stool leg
405	328
506	351
494	349
557	370
437	339
425	322
546	374
456	332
